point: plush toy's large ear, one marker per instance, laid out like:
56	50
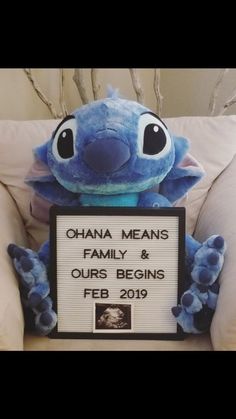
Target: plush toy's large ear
39	171
46	189
185	173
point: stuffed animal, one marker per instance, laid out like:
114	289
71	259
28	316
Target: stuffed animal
116	152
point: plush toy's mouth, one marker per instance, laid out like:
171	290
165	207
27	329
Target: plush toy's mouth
107	155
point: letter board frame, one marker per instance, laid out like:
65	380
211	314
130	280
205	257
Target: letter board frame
110	213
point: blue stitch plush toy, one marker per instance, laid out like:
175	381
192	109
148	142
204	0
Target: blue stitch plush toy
115	152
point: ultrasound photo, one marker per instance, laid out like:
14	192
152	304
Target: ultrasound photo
113	317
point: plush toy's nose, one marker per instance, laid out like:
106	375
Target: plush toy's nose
107	155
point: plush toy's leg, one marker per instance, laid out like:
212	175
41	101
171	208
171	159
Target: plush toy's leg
185	321
34	285
203	265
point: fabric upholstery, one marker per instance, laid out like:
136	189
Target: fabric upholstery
218	214
11	316
191	343
213	145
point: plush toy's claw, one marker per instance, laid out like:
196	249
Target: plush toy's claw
11	250
16	252
34	287
45	322
202	275
216	242
26	264
38	293
45	305
219	242
46	318
213	258
34	300
176	311
191	302
187	299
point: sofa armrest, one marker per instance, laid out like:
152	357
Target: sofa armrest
11	316
217	216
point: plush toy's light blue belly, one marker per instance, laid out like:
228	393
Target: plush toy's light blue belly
122	200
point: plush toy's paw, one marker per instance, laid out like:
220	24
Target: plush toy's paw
32	273
208	261
185	313
184	319
45	321
34	287
193	323
190	302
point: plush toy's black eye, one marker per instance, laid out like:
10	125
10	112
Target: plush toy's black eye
64	139
154	139
65	144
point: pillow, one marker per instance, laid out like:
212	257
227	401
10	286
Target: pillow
17	140
218	215
213	144
11	316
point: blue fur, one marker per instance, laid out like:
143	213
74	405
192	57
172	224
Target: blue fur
152	199
44	253
192	246
109	168
123	200
181	148
100	121
56	193
40	153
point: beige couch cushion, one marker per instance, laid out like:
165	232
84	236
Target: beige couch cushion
218	214
11	316
17	140
191	343
213	144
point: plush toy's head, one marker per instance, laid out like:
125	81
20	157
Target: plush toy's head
109	147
